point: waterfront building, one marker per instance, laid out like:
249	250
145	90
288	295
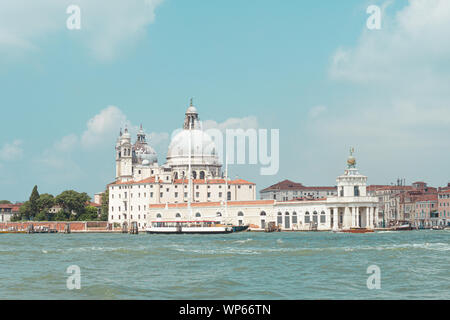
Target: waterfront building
141	182
7	211
397	203
288	190
425	213
444	206
350	207
145	191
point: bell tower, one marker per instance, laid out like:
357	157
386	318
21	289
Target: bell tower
124	157
191	118
351	183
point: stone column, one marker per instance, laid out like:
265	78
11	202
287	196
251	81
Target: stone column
335	218
368	217
354	217
347	218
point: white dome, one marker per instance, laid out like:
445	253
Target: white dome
145	154
203	149
191	109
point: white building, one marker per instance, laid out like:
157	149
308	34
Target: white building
350	208
289	190
141	182
145	191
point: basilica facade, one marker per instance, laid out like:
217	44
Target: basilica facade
145	192
141	182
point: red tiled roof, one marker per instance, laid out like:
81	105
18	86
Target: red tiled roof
93	204
388	187
186	181
211	204
148	180
211	181
427	197
290	185
14	206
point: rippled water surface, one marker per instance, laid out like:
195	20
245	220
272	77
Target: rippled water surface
316	265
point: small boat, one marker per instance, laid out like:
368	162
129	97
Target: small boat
12	230
403	227
192	227
437	228
357	230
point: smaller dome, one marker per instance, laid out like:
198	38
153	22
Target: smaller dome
191	109
351	162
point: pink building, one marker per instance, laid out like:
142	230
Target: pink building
426	211
444	206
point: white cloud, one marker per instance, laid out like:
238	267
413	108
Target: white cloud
67	143
11	151
232	123
107	26
409	52
104	127
157	138
316	111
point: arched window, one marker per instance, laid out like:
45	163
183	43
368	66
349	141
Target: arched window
279	218
307	217
198	215
158	215
315	219
323	217
262	213
218	214
294	217
178	215
286	213
194	175
240	214
176	175
202	174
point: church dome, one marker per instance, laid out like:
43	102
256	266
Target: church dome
203	149
145	154
142	152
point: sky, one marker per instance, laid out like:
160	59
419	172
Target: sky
311	69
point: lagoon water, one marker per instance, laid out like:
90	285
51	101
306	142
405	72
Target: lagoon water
311	265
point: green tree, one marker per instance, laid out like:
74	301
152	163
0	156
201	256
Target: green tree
33	202
42	216
90	214
5	202
25	211
105	206
45	201
73	203
61	216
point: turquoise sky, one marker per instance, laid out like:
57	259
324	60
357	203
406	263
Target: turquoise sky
309	68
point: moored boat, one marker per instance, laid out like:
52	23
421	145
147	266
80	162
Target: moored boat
192	227
357	230
403	227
